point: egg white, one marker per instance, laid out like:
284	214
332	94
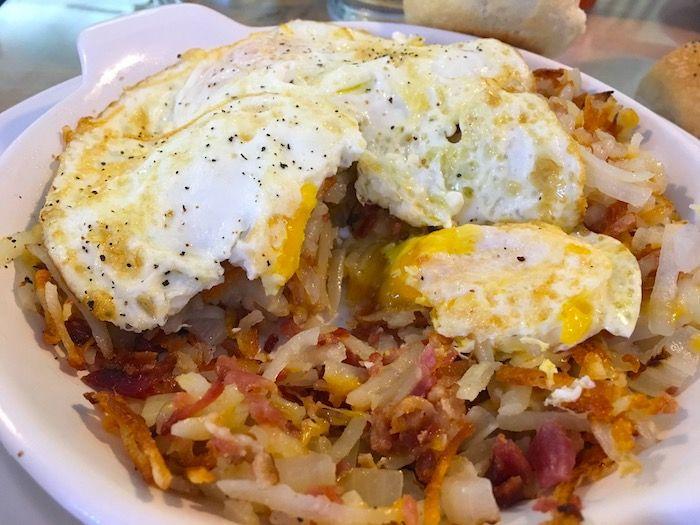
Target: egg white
332	96
139	227
496	283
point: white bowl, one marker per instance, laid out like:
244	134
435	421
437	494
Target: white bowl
42	411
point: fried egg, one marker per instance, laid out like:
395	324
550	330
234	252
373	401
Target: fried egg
193	166
496	283
138	227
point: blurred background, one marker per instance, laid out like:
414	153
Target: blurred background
37	37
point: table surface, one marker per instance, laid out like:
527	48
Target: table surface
37	50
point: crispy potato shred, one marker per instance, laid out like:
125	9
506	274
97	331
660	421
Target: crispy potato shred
118	418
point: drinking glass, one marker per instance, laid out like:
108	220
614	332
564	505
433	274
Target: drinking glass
382	10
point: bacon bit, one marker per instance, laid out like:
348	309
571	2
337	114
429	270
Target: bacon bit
254	388
336	336
510	492
509	471
437	355
139	385
514	375
134	374
552	455
620	223
329	491
231	371
409	510
565	506
270	343
431	508
368	217
191	409
427	364
78	330
248	342
142	449
199	475
232	449
263	412
424	466
288	327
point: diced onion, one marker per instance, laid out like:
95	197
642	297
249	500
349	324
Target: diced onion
475	379
193	428
350	436
377	487
515	400
193	383
680	252
676	370
393	382
289	351
466	498
357	346
615	182
303	473
153	405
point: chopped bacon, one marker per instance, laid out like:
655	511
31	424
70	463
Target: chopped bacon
436	355
232	449
118	418
191	409
431	509
552	455
288	327
428	364
78	330
409	510
262	411
368	217
232	373
509	471
329	491
424	465
335	336
133	374
403	427
254	388
270	343
139	385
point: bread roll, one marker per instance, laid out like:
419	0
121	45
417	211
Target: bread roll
672	87
543	26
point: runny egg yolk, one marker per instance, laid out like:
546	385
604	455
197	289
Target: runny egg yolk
287	260
576	317
395	292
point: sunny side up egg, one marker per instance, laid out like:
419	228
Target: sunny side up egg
497	284
138	227
440	134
